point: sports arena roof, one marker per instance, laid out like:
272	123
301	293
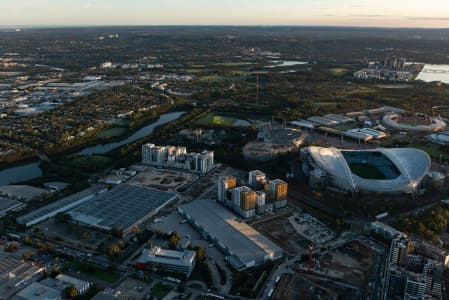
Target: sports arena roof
404	168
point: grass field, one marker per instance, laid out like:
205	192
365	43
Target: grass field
433	151
321	104
212	119
111	132
338	71
366	171
160	290
394	86
218	78
90	270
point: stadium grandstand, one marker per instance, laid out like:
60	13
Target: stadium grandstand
398	170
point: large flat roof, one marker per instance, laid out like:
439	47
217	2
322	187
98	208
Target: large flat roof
239	238
60	205
122	206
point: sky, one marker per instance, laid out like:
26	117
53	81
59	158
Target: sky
379	13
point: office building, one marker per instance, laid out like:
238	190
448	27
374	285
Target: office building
157	258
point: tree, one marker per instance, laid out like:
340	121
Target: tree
117	232
10	247
63	217
201	253
28	255
114	251
174	240
28	241
69	292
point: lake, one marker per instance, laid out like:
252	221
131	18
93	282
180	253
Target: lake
32	170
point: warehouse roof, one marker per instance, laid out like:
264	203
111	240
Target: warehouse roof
241	240
121	207
61	205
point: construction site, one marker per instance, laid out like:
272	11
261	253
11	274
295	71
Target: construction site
272	141
353	265
279	229
304	286
163	179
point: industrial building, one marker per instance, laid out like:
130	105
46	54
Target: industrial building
177	157
398	170
323	121
62	205
441	138
124	206
16	275
37	290
8	205
243	246
339	118
157	258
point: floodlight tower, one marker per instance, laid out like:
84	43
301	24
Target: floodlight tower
310	259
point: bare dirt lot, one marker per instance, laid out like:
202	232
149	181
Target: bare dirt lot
352	263
280	231
302	286
163	179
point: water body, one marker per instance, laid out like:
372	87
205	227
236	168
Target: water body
20	173
144	131
431	73
286	63
32	170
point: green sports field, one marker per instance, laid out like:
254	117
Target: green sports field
366	171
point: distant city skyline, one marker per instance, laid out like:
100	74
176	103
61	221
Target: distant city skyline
378	13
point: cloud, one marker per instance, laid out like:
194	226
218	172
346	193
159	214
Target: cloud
87	5
428	18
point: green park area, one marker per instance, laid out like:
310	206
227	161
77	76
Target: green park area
91	270
159	291
338	71
212	119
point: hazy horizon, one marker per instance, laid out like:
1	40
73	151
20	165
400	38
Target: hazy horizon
342	13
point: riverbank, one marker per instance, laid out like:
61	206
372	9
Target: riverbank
31	170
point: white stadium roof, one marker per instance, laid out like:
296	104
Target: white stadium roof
412	164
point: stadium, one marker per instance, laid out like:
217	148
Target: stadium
414	123
398	170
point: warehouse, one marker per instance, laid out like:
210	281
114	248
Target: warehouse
48	211
124	207
244	246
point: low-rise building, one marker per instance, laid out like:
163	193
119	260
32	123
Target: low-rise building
167	260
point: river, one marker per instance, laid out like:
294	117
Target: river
432	73
32	170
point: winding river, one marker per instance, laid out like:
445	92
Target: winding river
32	170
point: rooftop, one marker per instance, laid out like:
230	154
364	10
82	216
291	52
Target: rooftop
122	206
59	205
240	239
